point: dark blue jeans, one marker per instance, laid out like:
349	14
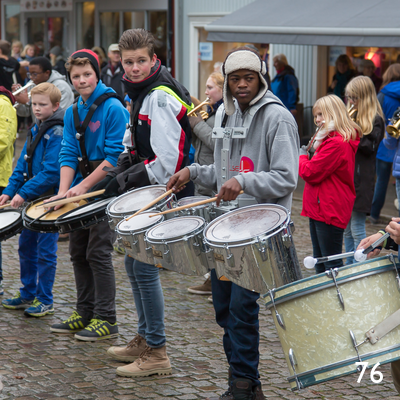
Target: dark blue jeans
326	241
383	173
236	311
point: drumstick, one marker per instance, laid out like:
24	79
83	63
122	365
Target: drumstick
198	203
151	204
5	205
359	255
71	199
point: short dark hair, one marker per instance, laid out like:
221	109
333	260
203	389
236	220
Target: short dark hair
43	62
134	39
5	47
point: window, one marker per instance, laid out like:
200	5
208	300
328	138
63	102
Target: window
109	29
85	25
12	12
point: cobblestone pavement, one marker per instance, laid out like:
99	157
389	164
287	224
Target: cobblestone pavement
36	364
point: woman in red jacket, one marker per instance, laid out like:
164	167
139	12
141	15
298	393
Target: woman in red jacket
329	192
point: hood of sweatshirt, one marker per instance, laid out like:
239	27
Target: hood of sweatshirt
392	89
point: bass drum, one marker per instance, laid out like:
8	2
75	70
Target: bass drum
10	224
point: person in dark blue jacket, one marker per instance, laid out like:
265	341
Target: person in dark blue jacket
37	251
91	248
285	84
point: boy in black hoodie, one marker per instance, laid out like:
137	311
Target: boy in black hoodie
8	65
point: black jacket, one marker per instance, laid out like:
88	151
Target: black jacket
7	69
114	81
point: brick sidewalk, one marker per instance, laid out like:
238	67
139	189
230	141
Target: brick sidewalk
36	364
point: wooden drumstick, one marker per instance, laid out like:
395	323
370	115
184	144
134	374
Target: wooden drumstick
151	204
71	199
5	205
198	203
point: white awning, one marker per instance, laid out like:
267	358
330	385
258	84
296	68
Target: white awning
312	22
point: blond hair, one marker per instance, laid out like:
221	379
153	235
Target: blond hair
362	88
335	115
28	46
48	89
282	58
218	79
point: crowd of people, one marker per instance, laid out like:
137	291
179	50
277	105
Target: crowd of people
124	124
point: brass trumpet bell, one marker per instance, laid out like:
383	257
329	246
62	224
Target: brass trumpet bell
393	129
198	109
352	112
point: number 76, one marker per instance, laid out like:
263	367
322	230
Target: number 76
373	372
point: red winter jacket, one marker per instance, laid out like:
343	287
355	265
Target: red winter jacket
329	192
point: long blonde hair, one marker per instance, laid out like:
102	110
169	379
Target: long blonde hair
362	88
336	117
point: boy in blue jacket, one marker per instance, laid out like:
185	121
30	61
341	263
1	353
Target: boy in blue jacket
33	177
99	119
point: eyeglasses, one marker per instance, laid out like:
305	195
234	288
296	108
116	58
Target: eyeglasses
352	98
34	75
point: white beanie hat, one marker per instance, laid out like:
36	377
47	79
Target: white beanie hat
242	59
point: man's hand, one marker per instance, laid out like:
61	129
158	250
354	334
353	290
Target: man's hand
394	229
4	198
229	191
365	243
177	181
17	201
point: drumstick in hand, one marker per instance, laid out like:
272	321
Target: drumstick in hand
5	205
71	199
198	203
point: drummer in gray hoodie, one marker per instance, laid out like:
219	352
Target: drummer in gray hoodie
264	164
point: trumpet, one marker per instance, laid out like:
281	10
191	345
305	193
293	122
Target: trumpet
312	140
393	128
352	112
203	114
21	89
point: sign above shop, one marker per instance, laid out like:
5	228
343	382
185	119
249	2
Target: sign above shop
46	5
206	51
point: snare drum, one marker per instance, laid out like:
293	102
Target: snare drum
177	244
84	216
10	224
205	211
128	203
253	247
132	234
46	224
317	318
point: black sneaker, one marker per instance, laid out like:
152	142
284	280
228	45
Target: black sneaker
74	323
98	330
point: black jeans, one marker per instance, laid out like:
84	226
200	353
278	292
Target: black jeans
326	240
90	251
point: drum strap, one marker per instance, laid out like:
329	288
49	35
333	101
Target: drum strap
85	166
379	331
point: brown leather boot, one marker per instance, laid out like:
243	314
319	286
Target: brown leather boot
150	362
130	352
259	393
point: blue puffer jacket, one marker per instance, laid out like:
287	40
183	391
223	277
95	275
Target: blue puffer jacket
286	86
103	136
389	97
45	166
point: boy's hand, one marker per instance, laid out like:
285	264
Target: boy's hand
17	201
229	191
365	243
177	180
394	229
4	198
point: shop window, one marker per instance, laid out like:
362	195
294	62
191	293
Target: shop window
157	25
109	28
85	25
133	20
12	12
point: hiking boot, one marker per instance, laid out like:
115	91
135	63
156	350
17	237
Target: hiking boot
130	352
98	329
150	362
259	393
16	303
38	309
225	396
205	288
74	323
242	389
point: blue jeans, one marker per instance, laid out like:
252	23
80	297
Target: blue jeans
38	261
326	241
236	310
354	233
383	173
149	301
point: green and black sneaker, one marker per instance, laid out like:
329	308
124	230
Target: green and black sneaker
98	329
74	323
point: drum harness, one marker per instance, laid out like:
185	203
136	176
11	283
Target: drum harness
86	167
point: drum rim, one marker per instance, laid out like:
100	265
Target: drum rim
199	197
41	222
249	241
18	223
141	230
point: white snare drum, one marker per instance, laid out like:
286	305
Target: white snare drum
177	245
204	211
253	247
128	203
316	319
132	234
10	224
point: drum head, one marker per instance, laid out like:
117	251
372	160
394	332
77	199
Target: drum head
87	208
8	217
246	223
139	222
175	228
33	212
137	199
192	199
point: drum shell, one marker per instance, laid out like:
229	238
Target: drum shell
317	328
206	211
13	229
41	225
185	255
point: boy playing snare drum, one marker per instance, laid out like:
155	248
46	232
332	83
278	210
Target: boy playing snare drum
37	173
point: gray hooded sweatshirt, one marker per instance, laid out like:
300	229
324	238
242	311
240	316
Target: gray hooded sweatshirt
266	162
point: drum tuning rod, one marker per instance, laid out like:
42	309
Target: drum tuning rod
71	199
196	204
309	262
5	205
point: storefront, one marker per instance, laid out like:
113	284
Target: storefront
73	24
